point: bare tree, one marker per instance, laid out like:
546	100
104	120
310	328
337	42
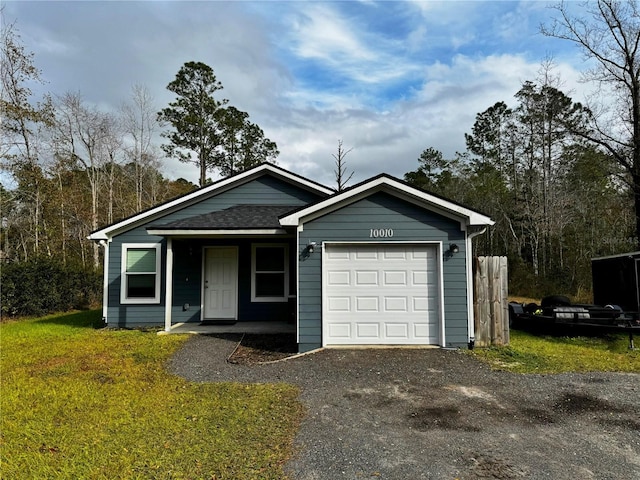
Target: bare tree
140	126
21	129
342	177
85	137
610	37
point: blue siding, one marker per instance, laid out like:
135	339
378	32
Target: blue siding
187	258
409	223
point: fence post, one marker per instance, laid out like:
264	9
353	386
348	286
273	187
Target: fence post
490	308
481	305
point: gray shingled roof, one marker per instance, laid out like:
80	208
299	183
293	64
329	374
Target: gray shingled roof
232	218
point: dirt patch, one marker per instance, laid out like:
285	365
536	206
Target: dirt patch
446	418
484	466
577	403
255	349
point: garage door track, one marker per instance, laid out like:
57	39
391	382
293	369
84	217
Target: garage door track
440	414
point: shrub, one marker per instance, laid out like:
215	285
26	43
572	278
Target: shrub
43	285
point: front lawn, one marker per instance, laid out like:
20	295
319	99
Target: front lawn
530	353
99	404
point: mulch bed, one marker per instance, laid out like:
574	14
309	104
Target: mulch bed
260	348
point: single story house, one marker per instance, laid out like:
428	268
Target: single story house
380	263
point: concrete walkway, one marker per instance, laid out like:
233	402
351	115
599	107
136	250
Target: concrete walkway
238	327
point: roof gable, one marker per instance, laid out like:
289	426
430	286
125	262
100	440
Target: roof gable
201	194
393	186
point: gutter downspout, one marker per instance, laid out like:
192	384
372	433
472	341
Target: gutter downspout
470	309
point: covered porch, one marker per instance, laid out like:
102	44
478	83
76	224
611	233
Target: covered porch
225	269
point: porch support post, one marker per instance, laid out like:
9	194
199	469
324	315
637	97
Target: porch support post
168	290
105	281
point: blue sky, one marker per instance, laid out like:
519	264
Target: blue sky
388	78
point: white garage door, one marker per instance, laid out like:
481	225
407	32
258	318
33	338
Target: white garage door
385	294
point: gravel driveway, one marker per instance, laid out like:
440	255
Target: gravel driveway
440	414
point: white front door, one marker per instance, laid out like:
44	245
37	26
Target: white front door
221	283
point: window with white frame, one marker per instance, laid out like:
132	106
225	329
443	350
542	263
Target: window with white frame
269	273
140	275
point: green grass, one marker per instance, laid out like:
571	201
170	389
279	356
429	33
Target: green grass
99	404
529	353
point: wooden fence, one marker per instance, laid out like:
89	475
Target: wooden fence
491	308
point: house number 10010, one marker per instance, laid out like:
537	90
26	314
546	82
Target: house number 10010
381	233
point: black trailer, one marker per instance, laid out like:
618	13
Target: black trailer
557	313
616	281
616	295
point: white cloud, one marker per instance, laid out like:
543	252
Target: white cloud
439	116
323	34
389	79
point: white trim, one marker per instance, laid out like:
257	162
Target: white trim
208	233
105	281
440	255
470	294
439	261
285	247
123	274
298	252
168	286
218	187
385	183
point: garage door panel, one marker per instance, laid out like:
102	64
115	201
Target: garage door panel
421	330
368	330
423	277
420	304
338	277
340	330
366	304
337	254
425	333
420	277
368	278
394	254
397	330
395	304
392	277
419	254
380	294
339	304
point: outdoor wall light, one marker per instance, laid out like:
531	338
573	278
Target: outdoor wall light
311	246
453	248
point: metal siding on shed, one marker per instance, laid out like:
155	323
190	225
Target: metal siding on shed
409	223
265	190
